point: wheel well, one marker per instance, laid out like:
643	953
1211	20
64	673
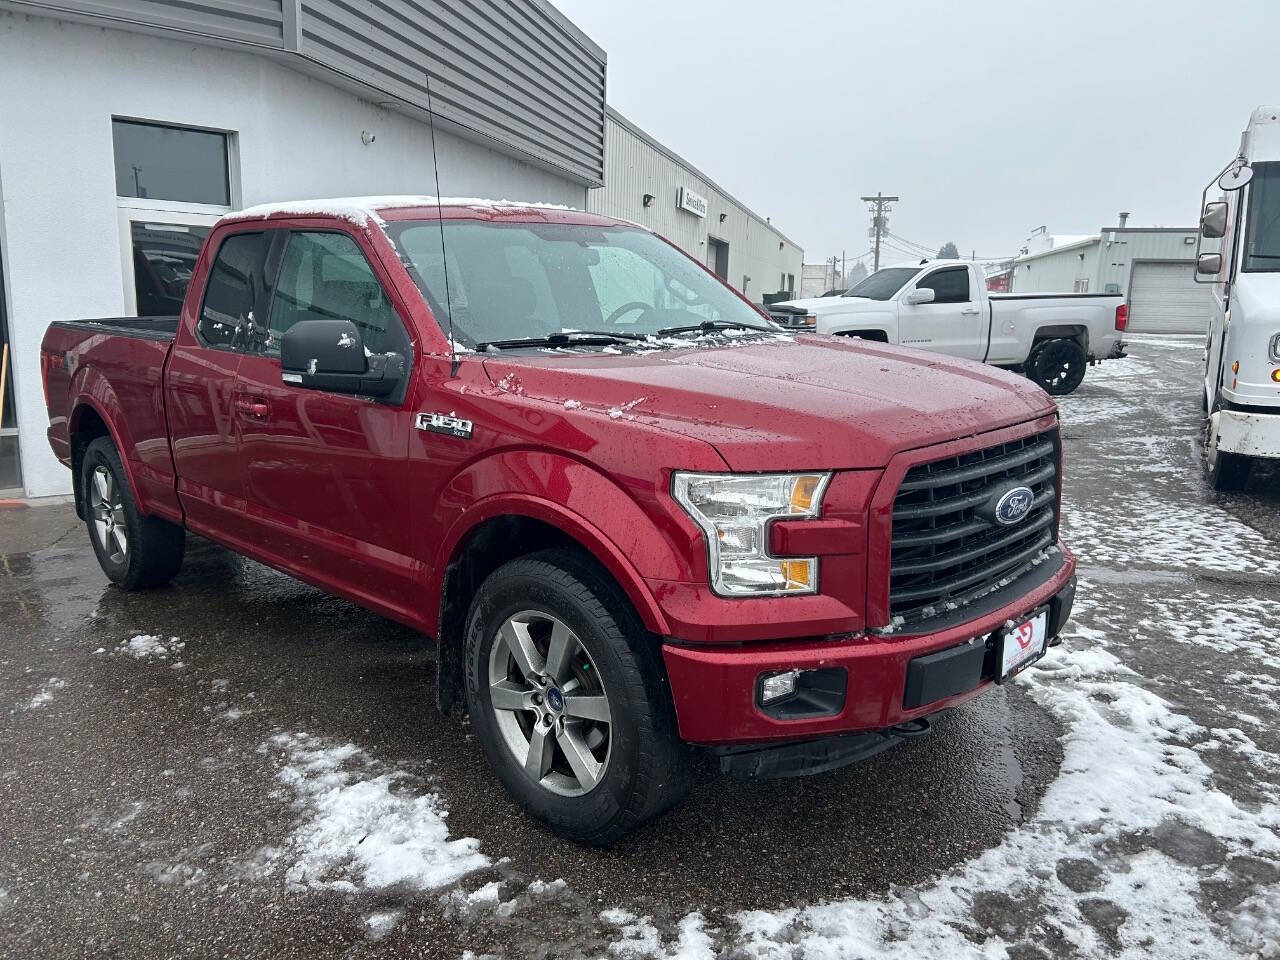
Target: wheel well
86	427
878	336
488	546
1062	332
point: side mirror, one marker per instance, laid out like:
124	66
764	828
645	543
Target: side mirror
920	295
1213	224
1209	264
1235	176
329	355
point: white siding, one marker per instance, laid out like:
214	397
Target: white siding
634	166
294	138
1058	271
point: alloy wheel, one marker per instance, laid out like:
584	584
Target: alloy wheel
107	508
550	703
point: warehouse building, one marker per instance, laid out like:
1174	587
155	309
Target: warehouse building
1152	267
130	126
647	183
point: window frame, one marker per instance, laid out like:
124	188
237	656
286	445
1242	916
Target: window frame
920	282
258	297
230	162
275	263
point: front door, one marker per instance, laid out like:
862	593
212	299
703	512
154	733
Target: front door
327	474
952	324
200	382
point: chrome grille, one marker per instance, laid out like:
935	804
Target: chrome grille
947	547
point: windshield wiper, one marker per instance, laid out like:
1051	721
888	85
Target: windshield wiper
564	339
711	326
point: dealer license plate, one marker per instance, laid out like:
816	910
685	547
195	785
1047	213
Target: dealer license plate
1023	644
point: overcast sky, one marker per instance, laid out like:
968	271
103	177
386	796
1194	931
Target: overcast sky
986	118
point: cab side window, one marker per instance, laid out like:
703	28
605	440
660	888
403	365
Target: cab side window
948	286
325	276
233	290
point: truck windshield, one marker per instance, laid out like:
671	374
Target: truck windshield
1262	229
883	284
516	281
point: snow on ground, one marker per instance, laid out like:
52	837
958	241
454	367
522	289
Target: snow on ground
362	828
45	693
151	647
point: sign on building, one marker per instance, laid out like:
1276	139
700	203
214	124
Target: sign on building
686	199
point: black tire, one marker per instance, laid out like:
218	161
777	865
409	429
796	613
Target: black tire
646	769
151	551
1057	366
1228	472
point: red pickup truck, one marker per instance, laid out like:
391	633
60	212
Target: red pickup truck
637	517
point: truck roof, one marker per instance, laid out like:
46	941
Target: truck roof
360	210
1261	139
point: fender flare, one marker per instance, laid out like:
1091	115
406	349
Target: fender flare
589	536
85	399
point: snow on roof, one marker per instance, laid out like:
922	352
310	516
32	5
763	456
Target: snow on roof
360	210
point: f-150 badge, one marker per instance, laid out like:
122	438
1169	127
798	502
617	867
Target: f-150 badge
447	424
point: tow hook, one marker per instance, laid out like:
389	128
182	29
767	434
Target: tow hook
912	729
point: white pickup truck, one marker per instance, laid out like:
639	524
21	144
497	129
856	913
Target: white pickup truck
1242	351
943	305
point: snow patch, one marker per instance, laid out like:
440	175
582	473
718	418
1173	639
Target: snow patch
45	693
364	828
150	646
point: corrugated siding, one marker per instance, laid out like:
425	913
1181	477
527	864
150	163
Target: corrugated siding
247	21
1165	298
636	168
507	71
513	72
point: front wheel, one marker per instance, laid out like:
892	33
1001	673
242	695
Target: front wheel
568	699
1057	366
133	550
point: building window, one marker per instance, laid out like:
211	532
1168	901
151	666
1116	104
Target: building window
1082	286
155	162
172	185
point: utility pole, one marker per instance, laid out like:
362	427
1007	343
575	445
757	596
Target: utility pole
879	207
844	269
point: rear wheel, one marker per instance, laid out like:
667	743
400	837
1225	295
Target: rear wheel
569	701
134	551
1228	472
1057	366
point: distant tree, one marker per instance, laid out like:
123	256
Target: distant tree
948	252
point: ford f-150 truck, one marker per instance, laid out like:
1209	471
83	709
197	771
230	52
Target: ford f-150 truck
1242	350
944	306
636	516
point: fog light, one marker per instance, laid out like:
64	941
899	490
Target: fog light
778	686
1275	374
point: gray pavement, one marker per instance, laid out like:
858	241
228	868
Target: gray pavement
158	798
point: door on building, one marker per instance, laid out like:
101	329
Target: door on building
159	250
718	257
10	466
1164	298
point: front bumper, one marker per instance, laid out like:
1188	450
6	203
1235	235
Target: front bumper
889	680
1249	434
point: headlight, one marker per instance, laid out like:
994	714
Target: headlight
734	513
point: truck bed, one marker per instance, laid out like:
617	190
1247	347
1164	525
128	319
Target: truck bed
147	328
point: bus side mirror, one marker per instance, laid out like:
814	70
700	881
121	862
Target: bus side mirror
1209	264
1213	224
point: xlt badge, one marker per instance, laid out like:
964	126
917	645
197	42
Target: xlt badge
447	424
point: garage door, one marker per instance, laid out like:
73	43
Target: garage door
1164	298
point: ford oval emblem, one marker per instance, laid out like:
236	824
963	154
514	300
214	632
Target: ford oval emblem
1013	505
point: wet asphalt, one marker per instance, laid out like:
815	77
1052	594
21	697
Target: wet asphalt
135	801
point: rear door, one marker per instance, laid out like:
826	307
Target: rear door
327	474
200	381
953	323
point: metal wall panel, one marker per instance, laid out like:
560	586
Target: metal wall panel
244	21
510	72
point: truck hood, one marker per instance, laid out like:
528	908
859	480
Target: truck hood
783	403
824	304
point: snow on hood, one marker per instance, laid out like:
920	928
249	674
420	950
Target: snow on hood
807	402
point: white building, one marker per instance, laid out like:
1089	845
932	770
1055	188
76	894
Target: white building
646	183
1152	267
128	126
